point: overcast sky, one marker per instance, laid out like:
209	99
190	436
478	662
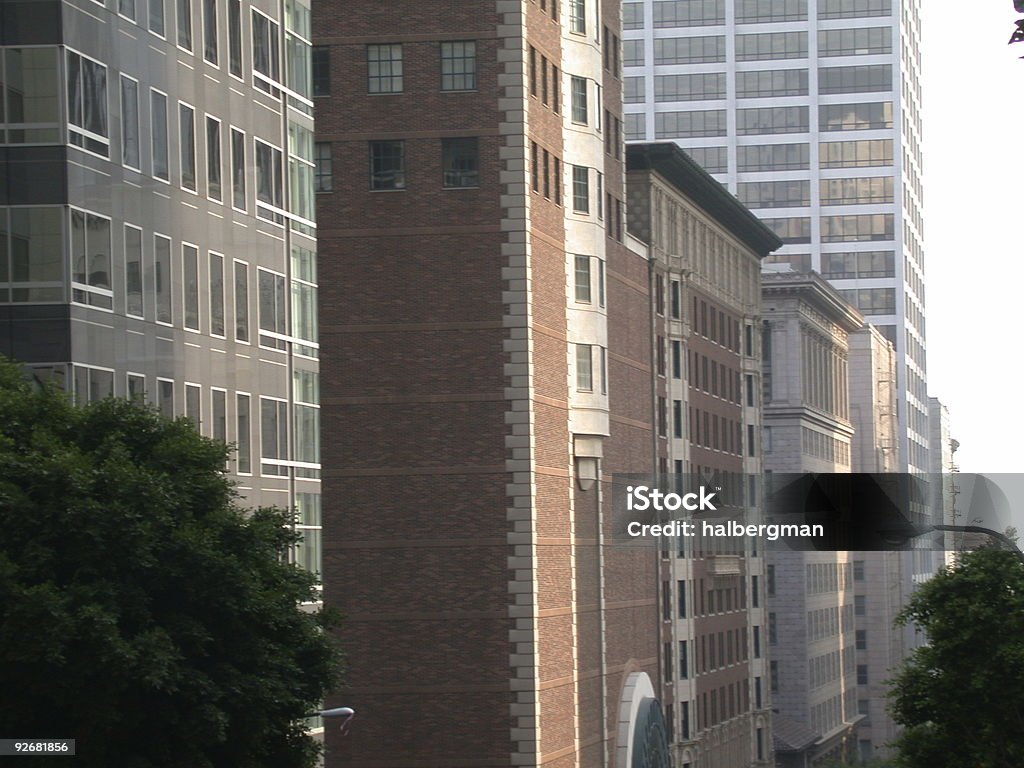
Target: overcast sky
973	125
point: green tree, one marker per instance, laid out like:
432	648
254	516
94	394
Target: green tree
142	611
961	697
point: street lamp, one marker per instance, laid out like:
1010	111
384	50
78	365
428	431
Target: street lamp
345	713
902	532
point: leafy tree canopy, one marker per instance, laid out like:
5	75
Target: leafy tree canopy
142	611
961	697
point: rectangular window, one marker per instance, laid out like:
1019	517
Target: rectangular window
858	570
677	418
136	386
387	165
194	405
855	154
238	183
384	68
156	17
210	52
158	128
266	53
184	18
583	279
130	154
771	45
758	11
243	434
862	674
213	166
187	146
684	660
580	189
858	228
579	99
773	157
690	50
578	16
91	260
862	639
460	162
269	181
600	283
584	368
242	302
863	79
162	275
688	13
844	9
87	104
791	230
133	271
633	53
165	398
235	38
774	194
273	435
696	87
864	116
321	64
216	294
771	82
677	125
767	120
306	417
324	174
854	42
860	605
458	66
190	285
273	309
855	191
677	359
219	415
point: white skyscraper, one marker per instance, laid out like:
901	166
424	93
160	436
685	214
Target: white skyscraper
810	112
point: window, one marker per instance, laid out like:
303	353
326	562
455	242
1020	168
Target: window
580	189
269	182
32	254
774	194
309	549
773	157
306	423
387	165
854	42
321	62
238	190
855	79
384	68
684	660
677	418
194	405
862	639
219	415
187	146
858	570
216	294
87	104
772	120
771	82
864	189
460	163
273	309
600	283
772	45
690	50
90	260
862	674
755	591
33	89
242	302
584	368
323	176
190	285
156	17
796	229
136	386
130	155
773	674
165	398
210	52
91	384
712	159
758	11
273	435
213	185
133	271
860	605
243	434
235	37
673	125
855	154
583	279
162	277
677	359
844	9
698	87
304	300
689	13
578	16
184	19
872	301
769	578
458	66
773	632
757	642
578	90
632	90
266	53
633	53
158	110
868	226
855	117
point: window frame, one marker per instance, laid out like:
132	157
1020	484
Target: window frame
210	256
153	137
235	304
84	133
142	271
170	281
401	170
205	22
107	293
472	75
390	78
185	290
179	5
182	105
233	132
138	122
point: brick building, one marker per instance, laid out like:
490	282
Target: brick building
705	250
487	359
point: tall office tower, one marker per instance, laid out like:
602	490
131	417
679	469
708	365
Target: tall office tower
814	670
942	484
158	236
880	587
487	355
809	110
705	251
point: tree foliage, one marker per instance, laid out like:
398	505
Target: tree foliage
142	611
961	697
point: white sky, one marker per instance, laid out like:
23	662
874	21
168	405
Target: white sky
973	144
